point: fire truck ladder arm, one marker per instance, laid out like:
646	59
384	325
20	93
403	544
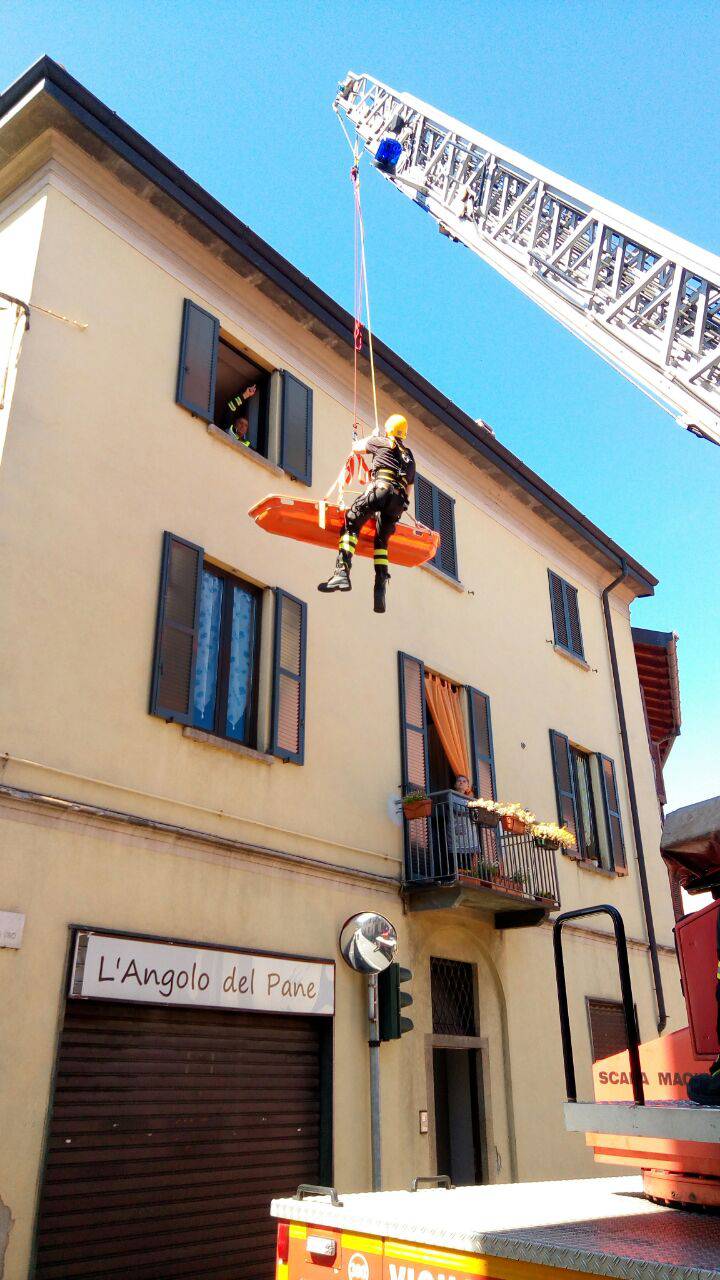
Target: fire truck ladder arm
645	300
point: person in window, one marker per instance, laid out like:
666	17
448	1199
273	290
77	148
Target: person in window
386	497
237	423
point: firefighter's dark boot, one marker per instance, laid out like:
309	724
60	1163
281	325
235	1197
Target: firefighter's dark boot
381	580
340	579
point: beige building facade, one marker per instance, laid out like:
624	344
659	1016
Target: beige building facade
199	751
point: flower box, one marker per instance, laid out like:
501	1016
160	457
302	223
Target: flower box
514	826
417	808
509	885
544	842
483	817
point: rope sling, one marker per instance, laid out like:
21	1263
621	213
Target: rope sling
321	522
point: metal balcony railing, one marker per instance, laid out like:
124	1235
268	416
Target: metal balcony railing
450	847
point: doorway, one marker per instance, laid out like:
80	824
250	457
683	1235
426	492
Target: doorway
459	1123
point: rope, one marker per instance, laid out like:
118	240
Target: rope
362	292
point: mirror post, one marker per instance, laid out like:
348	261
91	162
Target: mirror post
374	1040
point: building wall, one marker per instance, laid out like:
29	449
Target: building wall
99	461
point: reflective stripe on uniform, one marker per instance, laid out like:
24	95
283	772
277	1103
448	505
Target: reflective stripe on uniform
381	557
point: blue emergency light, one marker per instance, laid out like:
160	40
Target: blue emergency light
388	154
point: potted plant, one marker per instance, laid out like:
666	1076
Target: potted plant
545	895
515	819
548	835
485	813
416	804
488	871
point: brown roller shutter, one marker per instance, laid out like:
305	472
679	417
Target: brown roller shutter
607	1028
171	1131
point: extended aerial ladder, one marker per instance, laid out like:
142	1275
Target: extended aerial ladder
642	298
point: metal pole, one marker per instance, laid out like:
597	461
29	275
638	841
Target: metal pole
374	1041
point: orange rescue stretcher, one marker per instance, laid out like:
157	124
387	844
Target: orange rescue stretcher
321	523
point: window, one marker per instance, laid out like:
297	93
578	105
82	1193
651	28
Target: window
588	803
608	1034
565	615
453	997
429	761
206	670
587	832
437	510
242	398
226	669
271	411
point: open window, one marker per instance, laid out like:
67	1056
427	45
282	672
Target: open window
268	411
588	804
242	398
446	732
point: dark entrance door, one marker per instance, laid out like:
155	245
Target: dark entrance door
458	1122
171	1131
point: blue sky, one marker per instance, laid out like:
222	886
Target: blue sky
621	96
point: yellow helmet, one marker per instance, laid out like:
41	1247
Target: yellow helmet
396	426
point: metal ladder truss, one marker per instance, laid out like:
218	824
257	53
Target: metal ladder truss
643	299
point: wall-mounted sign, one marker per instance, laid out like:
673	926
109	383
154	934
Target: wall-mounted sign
111	968
12	924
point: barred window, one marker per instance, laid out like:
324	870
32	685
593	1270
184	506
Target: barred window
453	997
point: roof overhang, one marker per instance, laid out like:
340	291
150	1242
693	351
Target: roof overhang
46	98
690	844
657	664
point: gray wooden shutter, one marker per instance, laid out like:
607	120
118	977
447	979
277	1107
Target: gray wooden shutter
445	526
557	603
565	615
289	662
198	361
481	744
611	805
437	510
413	724
565	786
296	428
424	508
176	633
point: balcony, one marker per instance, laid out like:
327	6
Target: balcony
451	861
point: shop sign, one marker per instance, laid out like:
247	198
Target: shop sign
112	968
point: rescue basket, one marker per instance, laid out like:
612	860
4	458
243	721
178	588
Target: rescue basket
321	523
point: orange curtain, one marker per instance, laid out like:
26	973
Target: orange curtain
443	699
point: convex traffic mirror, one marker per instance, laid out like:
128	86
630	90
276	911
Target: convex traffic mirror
368	942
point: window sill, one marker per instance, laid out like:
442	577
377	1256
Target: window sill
444	577
224	744
584	864
252	454
572	657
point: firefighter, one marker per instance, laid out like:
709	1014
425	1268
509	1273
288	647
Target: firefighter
386	497
236	422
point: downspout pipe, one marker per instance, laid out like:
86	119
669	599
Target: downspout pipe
639	850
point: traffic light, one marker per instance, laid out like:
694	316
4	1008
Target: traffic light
391	1000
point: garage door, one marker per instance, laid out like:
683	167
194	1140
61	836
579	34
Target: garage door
171	1131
